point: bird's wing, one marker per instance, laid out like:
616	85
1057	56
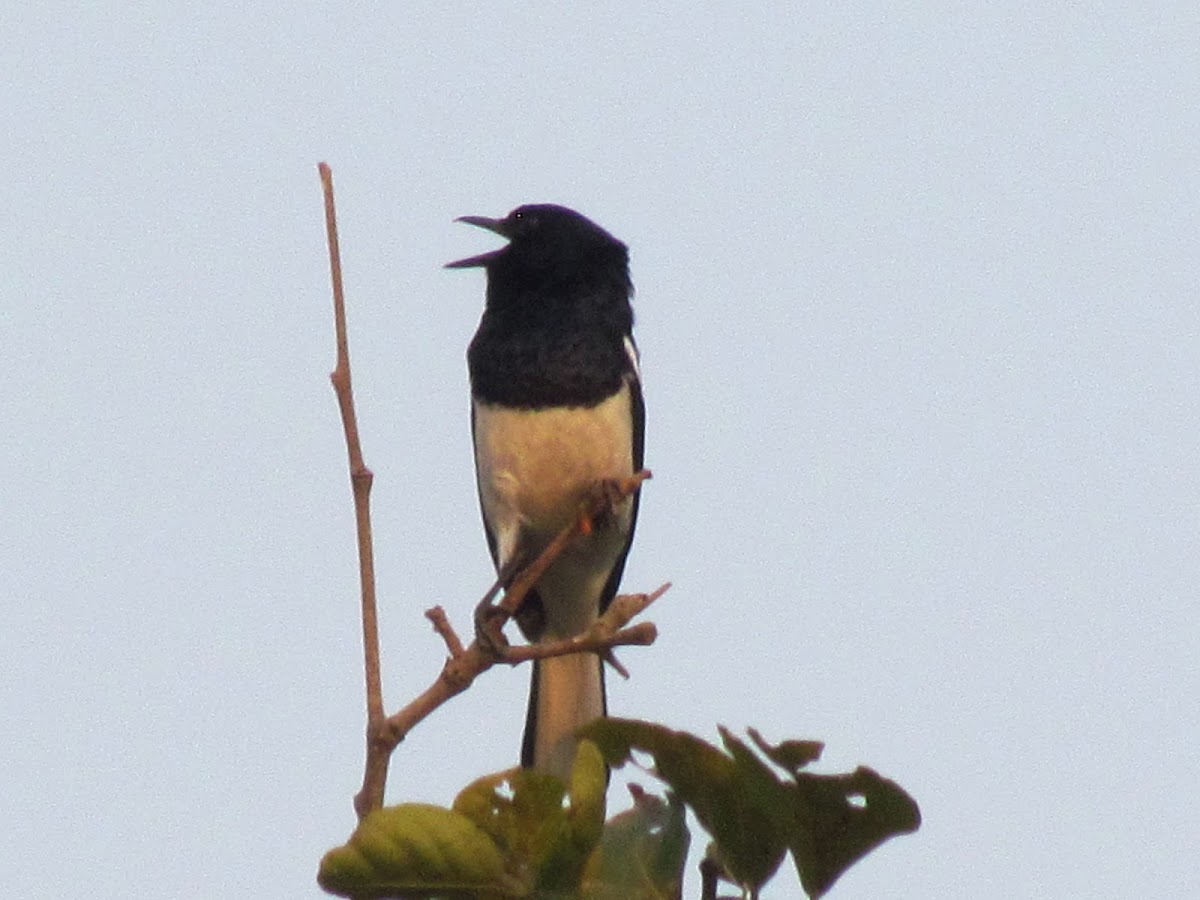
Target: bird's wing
637	408
493	548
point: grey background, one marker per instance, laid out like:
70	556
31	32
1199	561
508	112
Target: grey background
916	301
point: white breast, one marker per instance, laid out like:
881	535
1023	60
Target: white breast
535	467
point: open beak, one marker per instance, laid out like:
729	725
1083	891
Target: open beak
494	225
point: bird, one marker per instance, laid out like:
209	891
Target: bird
556	408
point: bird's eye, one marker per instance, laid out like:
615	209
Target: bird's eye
525	221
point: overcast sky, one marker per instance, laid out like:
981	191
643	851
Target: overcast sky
916	297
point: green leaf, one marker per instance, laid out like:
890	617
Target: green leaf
642	852
789	755
589	784
726	795
417	850
838	819
522	811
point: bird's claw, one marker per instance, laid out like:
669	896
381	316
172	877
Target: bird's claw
489	627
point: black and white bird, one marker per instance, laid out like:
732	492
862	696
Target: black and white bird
556	406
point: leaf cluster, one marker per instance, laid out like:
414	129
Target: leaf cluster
756	816
523	834
516	834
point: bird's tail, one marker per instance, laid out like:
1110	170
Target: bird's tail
567	692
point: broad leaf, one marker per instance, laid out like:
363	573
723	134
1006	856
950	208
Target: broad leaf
544	842
642	852
724	796
838	819
417	850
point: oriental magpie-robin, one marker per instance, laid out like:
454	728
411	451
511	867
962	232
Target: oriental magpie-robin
556	406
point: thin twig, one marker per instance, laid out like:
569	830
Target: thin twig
464	665
361	478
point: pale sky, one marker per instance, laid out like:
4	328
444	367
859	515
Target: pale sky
916	298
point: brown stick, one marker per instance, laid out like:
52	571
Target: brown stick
466	664
361	478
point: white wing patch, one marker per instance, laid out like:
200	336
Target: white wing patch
631	351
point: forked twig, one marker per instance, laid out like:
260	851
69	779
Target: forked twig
464	665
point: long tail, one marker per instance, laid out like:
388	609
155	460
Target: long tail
566	693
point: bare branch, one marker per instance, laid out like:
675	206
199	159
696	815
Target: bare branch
361	478
464	665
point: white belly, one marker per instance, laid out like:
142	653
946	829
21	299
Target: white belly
534	468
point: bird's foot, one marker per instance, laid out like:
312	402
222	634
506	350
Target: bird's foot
489	627
604	498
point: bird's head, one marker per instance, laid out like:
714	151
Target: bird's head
545	238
